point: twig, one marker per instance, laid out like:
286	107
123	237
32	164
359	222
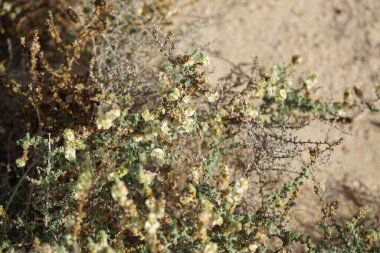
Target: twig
18	185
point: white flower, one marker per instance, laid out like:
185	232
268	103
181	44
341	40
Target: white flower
217	220
253	247
119	192
138	138
188	125
145	177
20	162
205	127
342	113
71	145
83	185
211	247
270	91
174	94
165	128
185	199
189	63
68	135
70	154
205	217
138	8
150	203
158	156
147	116
205	60
259	93
104	123
186	99
107	113
196	174
151	224
282	94
212	97
241	186
114	113
117	174
252	113
161	212
189	112
7	7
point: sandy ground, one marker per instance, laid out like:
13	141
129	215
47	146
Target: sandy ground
340	42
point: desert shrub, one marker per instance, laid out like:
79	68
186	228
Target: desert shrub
131	149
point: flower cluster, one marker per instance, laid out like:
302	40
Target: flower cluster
158	156
27	142
152	224
237	193
83	185
207	219
107	114
120	195
71	145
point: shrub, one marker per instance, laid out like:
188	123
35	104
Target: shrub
124	156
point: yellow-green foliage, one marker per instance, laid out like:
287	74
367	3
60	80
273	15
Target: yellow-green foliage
156	159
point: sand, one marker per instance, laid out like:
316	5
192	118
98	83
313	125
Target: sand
340	42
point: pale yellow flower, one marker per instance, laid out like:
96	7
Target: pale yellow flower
174	94
70	154
165	128
20	162
212	97
251	113
211	247
151	224
147	116
158	156
107	113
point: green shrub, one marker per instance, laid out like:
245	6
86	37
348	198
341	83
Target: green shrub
125	156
